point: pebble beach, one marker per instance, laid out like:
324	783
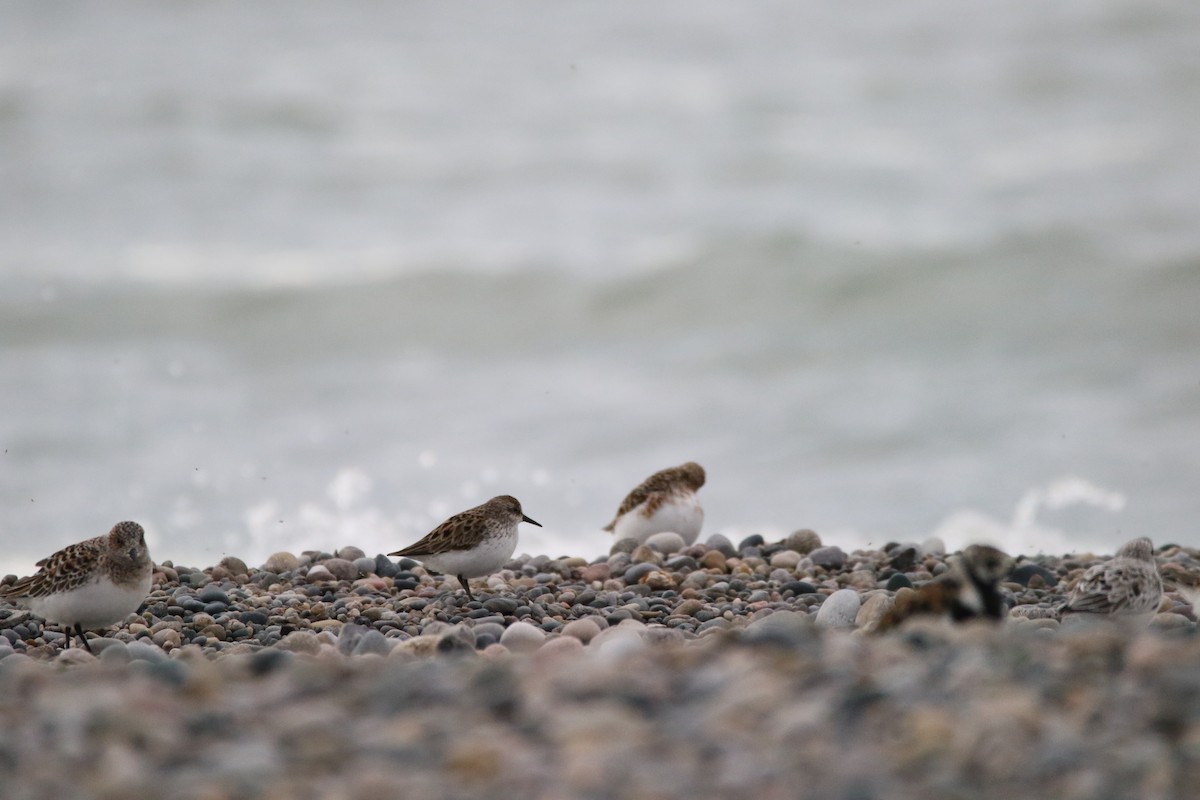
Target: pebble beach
718	669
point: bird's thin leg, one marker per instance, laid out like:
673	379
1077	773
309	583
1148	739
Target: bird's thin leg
467	587
82	637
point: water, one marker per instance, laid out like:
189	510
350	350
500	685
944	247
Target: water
298	276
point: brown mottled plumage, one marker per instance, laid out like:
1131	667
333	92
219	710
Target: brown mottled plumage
966	591
1128	585
471	543
660	488
91	584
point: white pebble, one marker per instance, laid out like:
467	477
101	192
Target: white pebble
521	637
666	542
839	609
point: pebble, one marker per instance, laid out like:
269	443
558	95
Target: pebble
657	580
327	625
235	566
595	572
385	567
340	568
786	559
666	542
560	647
1028	571
373	643
76	655
584	629
300	642
143	651
803	541
521	637
830	557
350	553
782	627
617	644
281	562
681	563
319	572
721	543
903	558
348	638
839	609
644	554
501	605
638	571
626	545
168	639
753	540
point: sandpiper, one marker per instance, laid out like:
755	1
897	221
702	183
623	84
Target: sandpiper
1126	587
966	591
666	501
472	543
89	585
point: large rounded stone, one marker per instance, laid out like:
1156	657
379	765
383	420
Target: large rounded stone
786	559
666	542
282	561
830	557
319	572
1025	573
235	565
521	637
721	542
803	541
350	553
340	568
781	627
584	629
839	609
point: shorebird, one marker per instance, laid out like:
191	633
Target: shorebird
965	591
1126	586
472	543
89	585
666	501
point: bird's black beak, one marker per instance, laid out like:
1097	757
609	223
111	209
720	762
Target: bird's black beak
531	521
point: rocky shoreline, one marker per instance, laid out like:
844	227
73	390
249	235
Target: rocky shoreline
715	670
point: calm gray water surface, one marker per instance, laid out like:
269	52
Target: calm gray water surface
290	276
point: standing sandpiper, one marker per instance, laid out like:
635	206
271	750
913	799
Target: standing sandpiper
1125	587
472	543
666	501
89	585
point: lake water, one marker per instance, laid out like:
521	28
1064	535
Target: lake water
300	275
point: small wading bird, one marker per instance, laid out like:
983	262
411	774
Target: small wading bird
968	590
1126	587
88	585
472	543
666	501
